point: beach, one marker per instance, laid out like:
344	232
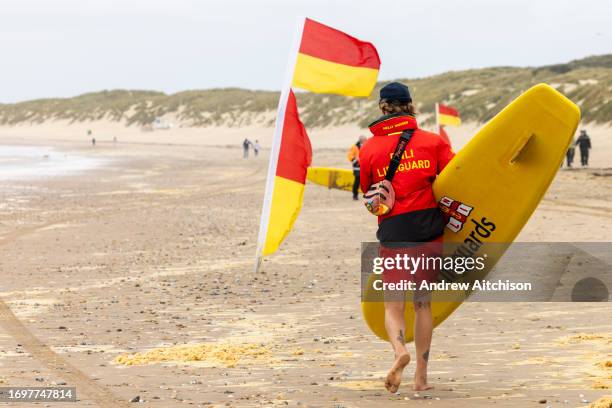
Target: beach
132	279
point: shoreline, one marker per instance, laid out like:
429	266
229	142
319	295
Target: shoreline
322	139
39	161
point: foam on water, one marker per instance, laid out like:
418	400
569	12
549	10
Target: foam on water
28	162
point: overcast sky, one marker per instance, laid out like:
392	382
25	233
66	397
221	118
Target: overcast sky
55	48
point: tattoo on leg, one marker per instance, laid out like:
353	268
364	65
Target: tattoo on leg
400	338
422	304
426	355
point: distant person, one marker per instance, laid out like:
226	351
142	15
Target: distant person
256	147
93	141
584	143
571	151
245	148
353	157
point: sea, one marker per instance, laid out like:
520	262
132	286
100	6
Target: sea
35	162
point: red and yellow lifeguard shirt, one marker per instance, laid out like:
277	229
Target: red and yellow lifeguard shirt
424	158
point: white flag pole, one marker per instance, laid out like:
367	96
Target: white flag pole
276	141
437	118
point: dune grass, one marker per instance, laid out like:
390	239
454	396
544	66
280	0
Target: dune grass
478	94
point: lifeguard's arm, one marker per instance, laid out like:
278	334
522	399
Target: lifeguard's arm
365	173
445	154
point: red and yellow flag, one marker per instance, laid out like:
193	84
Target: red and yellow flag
293	160
324	60
330	61
448	115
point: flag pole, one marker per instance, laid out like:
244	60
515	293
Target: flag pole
276	141
437	118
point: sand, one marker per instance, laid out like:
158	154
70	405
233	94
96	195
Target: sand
149	260
603	402
225	354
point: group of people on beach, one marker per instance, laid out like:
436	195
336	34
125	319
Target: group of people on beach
246	146
584	144
93	138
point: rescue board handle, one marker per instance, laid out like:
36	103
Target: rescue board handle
522	145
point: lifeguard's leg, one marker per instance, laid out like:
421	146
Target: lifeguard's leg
395	326
423	330
356	184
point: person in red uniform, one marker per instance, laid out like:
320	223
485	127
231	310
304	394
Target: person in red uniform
415	216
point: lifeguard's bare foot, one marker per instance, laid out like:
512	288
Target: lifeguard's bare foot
394	377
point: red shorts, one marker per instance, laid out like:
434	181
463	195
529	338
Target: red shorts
416	262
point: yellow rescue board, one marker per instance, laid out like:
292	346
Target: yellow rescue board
502	174
330	177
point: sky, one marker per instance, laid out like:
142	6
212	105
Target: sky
61	48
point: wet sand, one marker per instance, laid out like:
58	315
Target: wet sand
155	251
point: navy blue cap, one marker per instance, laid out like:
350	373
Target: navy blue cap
395	91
